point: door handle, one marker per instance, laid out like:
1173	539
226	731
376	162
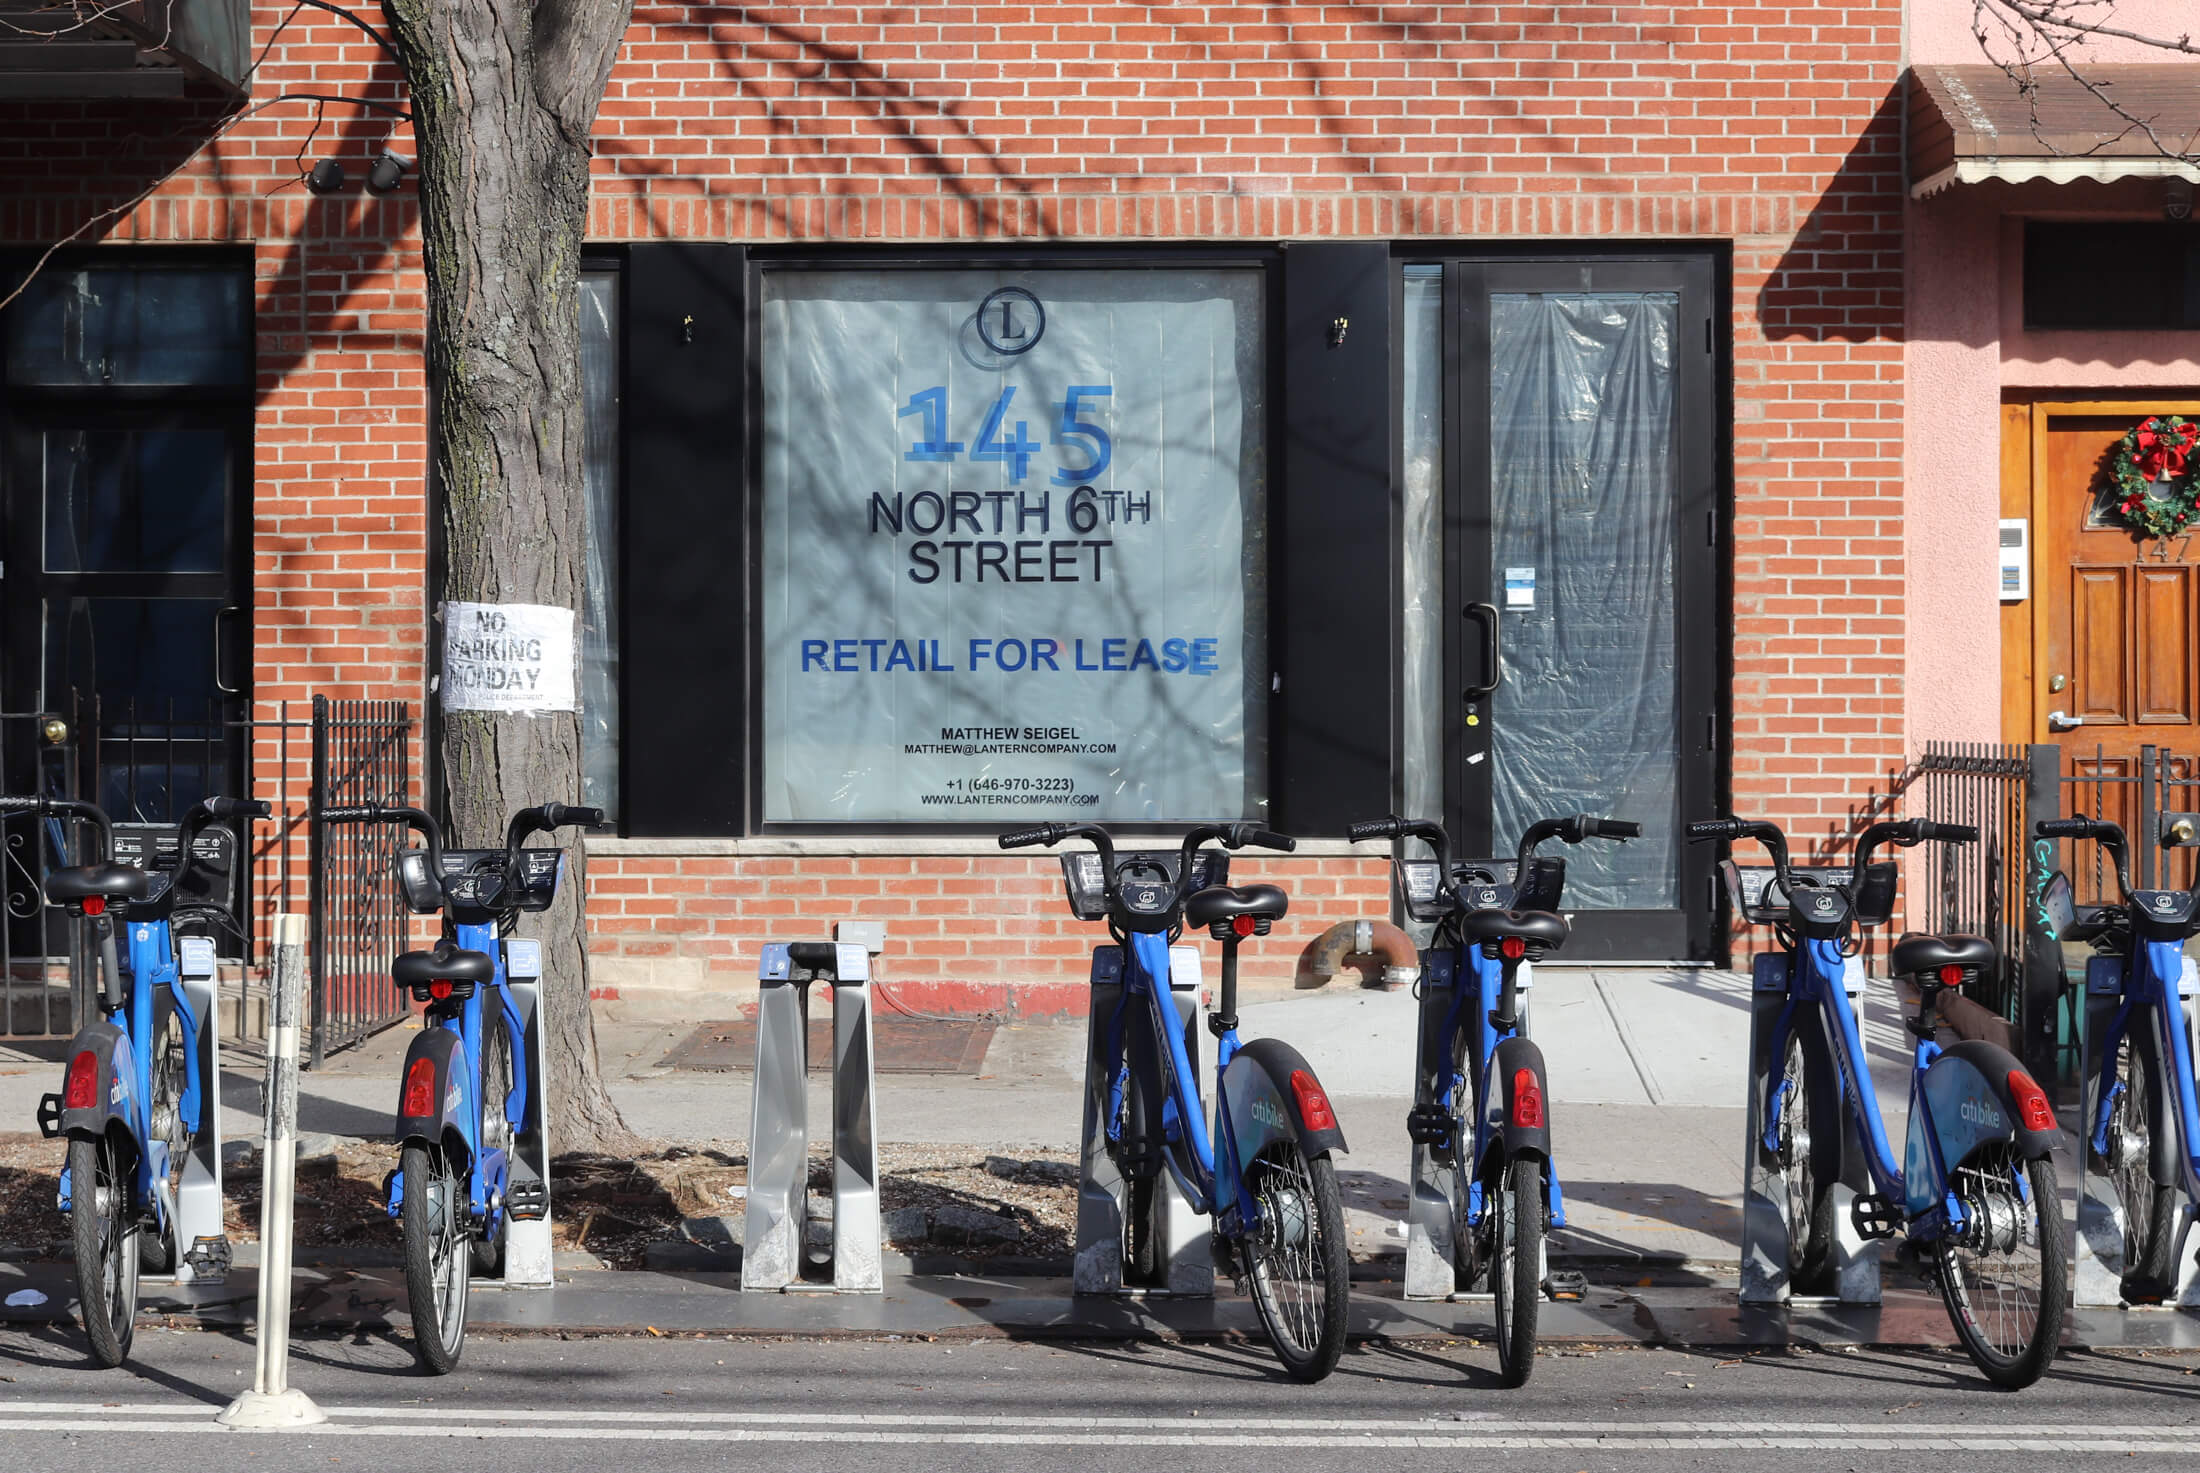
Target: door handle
221	615
2057	721
1492	652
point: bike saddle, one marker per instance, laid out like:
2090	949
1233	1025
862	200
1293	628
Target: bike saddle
1919	952
1539	928
1222	903
447	963
110	881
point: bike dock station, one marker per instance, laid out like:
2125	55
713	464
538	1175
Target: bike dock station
775	1250
1188	1267
1767	1276
2098	1267
527	1245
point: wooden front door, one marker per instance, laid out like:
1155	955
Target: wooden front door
2112	628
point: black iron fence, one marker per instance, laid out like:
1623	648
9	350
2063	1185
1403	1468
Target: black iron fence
146	765
1977	888
362	756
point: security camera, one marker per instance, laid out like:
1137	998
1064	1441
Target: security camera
2177	199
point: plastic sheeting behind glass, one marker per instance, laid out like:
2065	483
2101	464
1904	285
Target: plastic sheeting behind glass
1583	481
600	586
1420	626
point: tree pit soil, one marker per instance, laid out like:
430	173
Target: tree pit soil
611	1207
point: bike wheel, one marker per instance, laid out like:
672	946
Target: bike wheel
1296	1259
156	1254
1516	1213
105	1229
487	1253
2004	1278
1809	1198
1141	1232
2150	1209
435	1257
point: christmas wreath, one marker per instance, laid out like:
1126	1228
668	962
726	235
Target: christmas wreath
2156	492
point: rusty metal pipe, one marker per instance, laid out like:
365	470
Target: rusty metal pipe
1375	940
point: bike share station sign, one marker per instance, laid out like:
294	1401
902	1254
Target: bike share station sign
1013	557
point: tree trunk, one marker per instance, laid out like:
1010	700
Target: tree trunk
503	99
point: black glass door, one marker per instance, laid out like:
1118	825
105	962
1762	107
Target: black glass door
1580	635
125	476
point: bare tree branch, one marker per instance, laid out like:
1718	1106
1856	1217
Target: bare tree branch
2020	36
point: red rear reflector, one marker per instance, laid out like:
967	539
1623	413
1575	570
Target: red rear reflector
1951	976
1313	1104
82	1090
2032	1106
439	990
95	905
1243	925
1527	1099
1513	948
419	1088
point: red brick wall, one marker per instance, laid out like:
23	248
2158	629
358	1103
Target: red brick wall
1768	128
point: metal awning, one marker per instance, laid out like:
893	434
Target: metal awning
79	50
1971	124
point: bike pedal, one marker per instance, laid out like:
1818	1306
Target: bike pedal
209	1259
1429	1125
2143	1289
527	1201
1874	1217
1566	1286
49	1116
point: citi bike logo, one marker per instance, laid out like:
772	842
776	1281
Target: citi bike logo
1268	1115
2165	903
1980	1113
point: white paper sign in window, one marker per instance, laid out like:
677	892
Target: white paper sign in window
1014	552
507	657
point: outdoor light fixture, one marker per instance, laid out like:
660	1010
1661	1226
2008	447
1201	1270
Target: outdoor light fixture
388	172
327	177
2177	199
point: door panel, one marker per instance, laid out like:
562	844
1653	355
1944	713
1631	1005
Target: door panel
2164	646
2100	652
1582	515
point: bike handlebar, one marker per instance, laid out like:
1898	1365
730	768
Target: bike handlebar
91	813
1230	835
2109	834
1904	832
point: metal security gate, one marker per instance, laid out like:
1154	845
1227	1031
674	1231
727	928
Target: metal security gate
362	755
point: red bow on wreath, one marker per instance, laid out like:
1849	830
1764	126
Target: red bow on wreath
2162	449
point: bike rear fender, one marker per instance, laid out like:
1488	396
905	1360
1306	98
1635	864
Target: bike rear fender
1515	1056
1968	1104
1266	1108
111	1099
445	1055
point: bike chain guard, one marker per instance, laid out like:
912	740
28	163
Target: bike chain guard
1874	1217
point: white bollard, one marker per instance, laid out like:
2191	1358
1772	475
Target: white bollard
270	1403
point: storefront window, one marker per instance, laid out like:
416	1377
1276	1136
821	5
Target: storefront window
1014	559
1422	525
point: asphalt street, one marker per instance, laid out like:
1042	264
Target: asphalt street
676	1403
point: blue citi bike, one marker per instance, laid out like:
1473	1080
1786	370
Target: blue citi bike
133	1093
2142	1117
1973	1195
1481	1094
1264	1174
467	1089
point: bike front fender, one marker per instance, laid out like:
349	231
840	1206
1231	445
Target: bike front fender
1271	1088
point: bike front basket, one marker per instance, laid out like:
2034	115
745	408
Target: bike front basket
1757	894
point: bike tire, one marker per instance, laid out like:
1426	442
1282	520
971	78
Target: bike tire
2011	1346
1141	1233
1296	1260
156	1253
1809	1184
435	1258
487	1253
1517	1214
105	1229
2149	1208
